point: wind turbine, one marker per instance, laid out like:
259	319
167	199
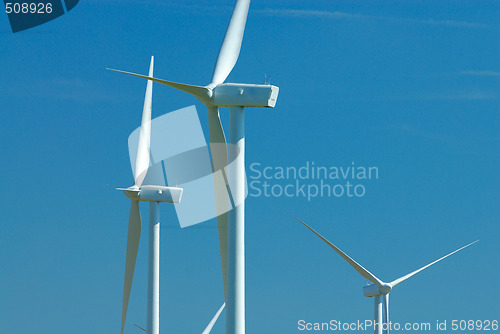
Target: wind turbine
236	96
153	194
379	288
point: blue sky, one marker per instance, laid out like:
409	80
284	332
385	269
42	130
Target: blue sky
409	87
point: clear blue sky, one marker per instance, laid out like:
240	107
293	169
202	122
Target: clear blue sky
411	87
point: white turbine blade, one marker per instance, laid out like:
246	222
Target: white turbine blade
197	91
143	146
404	278
386	312
365	273
214	320
218	152
230	49
133	238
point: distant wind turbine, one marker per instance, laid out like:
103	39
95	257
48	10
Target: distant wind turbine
379	288
236	96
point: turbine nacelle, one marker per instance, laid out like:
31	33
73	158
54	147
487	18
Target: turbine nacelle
245	95
232	94
373	290
149	193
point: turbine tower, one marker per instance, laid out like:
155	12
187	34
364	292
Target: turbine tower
236	96
153	194
379	289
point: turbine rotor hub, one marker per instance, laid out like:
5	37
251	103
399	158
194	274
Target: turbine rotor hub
385	288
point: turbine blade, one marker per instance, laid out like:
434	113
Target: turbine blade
404	278
214	320
230	49
143	146
143	329
218	152
386	313
198	91
133	238
359	268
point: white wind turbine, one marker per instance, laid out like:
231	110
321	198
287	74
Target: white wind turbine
235	96
153	194
379	288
